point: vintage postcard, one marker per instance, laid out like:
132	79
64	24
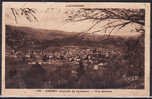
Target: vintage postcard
76	49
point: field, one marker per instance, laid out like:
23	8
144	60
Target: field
70	61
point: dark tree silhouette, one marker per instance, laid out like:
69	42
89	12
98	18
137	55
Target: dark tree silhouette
28	13
116	18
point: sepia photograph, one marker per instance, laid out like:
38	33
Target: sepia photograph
75	46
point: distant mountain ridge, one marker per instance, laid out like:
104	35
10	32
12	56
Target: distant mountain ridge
40	34
26	37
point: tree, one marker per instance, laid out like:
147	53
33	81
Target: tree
28	13
116	18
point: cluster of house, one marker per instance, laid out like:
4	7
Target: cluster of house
65	54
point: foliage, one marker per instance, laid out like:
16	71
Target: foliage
116	18
28	13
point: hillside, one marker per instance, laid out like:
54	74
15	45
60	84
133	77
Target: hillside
26	37
68	60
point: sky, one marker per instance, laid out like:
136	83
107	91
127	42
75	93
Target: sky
52	19
55	20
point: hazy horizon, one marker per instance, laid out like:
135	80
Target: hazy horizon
54	19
